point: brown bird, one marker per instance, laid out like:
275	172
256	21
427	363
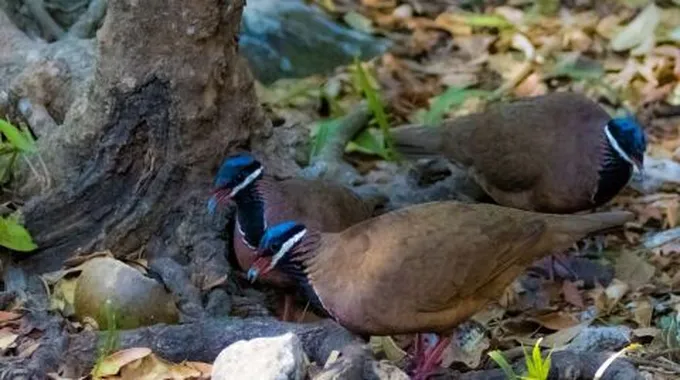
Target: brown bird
421	269
262	201
557	153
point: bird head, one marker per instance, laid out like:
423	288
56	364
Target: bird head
237	172
276	247
629	139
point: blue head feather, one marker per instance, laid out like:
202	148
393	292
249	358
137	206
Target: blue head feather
630	136
278	234
232	167
234	176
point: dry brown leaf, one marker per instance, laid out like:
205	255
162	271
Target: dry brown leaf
642	312
63	295
572	294
6	316
112	364
633	269
532	85
562	337
558	320
453	23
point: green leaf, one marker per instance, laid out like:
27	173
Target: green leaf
503	363
486	21
20	139
376	106
577	68
324	130
452	97
369	141
640	31
14	236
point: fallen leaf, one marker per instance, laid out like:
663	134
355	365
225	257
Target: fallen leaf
387	345
63	295
558	320
113	363
639	32
7	338
642	312
572	294
633	269
359	22
6	316
562	337
614	292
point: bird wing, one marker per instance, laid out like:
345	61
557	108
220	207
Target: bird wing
321	205
425	257
516	146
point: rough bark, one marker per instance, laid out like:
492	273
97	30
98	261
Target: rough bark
133	161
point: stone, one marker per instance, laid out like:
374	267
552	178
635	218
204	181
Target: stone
601	339
275	358
107	286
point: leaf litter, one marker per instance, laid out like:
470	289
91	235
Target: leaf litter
448	62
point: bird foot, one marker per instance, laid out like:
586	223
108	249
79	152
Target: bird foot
428	359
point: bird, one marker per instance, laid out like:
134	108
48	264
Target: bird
421	269
555	153
262	201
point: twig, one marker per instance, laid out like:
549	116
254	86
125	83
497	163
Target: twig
672	367
349	127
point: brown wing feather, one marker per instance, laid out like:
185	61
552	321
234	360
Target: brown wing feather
540	153
431	265
322	205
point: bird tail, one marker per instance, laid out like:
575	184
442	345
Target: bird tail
583	225
417	141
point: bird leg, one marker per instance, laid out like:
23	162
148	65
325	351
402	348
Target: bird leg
288	305
428	359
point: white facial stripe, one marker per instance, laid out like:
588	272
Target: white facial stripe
249	179
287	247
617	147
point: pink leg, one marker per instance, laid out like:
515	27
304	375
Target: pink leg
428	359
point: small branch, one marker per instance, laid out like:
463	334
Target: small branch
350	126
329	163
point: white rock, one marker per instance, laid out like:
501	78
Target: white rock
276	358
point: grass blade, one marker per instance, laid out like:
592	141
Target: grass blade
503	363
376	106
16	137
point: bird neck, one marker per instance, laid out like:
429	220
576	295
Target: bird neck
299	265
615	170
251	202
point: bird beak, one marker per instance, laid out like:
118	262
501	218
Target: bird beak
259	268
639	165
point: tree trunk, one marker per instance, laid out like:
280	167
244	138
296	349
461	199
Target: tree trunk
133	163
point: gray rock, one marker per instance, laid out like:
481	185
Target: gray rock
290	39
277	358
599	339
